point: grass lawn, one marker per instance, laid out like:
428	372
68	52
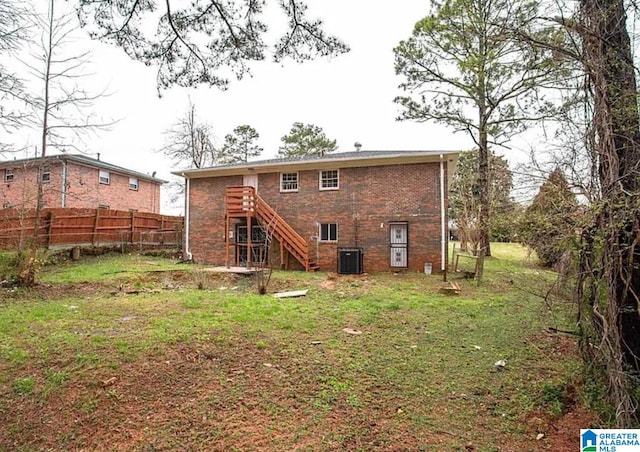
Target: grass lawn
128	352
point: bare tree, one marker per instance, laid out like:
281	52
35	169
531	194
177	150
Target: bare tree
13	33
564	145
189	142
61	109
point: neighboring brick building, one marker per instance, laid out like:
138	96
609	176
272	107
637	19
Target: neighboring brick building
72	180
389	206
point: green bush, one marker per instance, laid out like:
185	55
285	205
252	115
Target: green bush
549	224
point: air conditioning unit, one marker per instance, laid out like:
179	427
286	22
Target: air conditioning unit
350	261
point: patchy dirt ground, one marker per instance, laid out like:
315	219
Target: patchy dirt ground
186	398
208	394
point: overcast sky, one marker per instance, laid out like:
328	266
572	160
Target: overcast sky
350	97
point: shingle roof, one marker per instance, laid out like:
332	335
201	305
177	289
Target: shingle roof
352	157
84	160
334	156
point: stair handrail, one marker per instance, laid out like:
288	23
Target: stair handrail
244	200
293	240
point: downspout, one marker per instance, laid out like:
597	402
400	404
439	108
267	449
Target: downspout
443	231
64	184
186	218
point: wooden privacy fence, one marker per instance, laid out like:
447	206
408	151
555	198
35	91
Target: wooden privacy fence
69	227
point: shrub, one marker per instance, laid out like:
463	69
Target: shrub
549	223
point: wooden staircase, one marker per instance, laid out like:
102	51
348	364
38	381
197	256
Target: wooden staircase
244	202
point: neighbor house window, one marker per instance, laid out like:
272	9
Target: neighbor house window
105	177
329	180
288	181
8	175
103	206
133	183
46	173
328	232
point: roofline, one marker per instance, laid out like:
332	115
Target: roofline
87	161
385	158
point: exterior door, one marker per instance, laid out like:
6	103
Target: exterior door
250	180
399	244
259	244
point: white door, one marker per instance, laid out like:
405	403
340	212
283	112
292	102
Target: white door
250	180
399	244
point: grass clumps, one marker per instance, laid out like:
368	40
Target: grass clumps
178	355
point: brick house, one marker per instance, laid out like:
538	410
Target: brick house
353	211
73	180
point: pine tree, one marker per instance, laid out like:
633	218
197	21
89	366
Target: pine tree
240	145
306	139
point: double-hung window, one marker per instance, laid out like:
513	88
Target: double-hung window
329	180
288	182
328	232
133	183
8	175
46	174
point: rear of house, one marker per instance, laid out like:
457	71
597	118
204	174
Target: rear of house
347	212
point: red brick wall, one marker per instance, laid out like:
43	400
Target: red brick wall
83	189
206	218
22	191
367	201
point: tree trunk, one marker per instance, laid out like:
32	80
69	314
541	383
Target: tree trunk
483	186
483	151
27	272
615	138
483	181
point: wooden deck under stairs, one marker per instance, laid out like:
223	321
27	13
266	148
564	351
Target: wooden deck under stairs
244	202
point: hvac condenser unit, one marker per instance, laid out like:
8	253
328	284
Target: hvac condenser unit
350	261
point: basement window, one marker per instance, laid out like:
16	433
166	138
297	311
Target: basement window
133	183
288	182
104	177
258	235
328	232
329	180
